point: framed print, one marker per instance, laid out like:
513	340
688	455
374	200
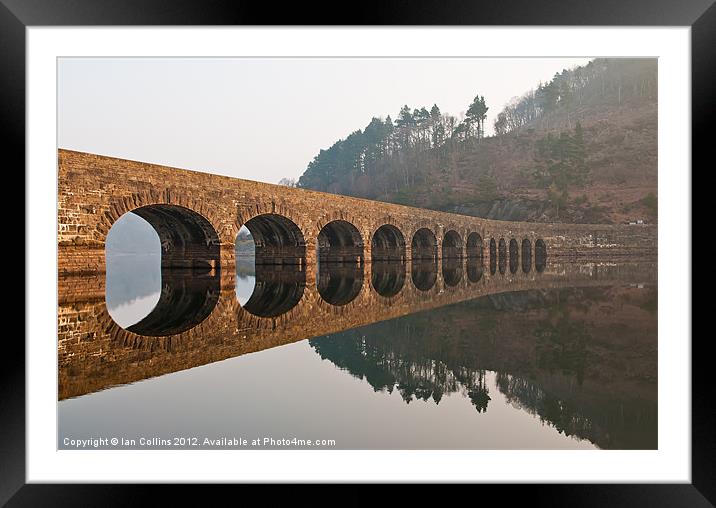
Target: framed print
385	253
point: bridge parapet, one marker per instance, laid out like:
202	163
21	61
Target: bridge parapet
198	215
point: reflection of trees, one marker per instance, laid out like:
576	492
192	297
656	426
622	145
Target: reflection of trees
579	358
387	367
561	345
616	424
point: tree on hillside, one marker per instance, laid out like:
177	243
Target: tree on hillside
288	182
476	115
560	163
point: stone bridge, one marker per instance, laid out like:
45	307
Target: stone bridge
323	263
198	215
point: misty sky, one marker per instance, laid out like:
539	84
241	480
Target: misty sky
264	119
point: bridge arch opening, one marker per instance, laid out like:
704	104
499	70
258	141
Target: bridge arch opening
502	256
162	273
388	244
514	255
424	245
270	256
493	256
452	245
526	255
340	241
340	262
388	260
540	255
474	246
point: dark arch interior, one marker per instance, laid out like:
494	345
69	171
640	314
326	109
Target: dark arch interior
514	256
424	274
474	269
452	271
388	244
277	289
452	245
188	271
340	262
387	278
187	298
340	242
278	240
424	245
188	240
540	255
340	283
493	256
526	255
474	246
502	255
279	265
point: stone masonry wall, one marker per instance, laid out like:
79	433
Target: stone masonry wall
94	191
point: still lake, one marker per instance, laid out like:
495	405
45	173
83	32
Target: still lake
565	366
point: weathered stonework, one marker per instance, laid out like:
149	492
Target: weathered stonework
94	191
197	217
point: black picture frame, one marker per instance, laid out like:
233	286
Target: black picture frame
17	15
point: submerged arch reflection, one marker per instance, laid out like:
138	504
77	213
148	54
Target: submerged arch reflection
424	274
187	298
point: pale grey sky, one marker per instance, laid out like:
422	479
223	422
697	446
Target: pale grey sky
264	119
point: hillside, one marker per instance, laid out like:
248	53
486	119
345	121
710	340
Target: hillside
581	148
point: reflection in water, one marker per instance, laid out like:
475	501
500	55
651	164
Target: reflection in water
133	286
502	255
493	256
575	381
452	271
339	283
277	290
540	255
387	278
560	359
424	274
474	269
526	255
187	297
245	277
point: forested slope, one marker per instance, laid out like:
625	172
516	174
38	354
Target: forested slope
581	148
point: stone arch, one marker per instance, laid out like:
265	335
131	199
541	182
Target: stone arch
452	245
502	255
514	255
278	240
424	245
188	238
339	241
279	265
260	207
473	247
540	255
121	205
387	244
493	256
526	255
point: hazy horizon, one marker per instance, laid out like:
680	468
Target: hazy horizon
266	118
